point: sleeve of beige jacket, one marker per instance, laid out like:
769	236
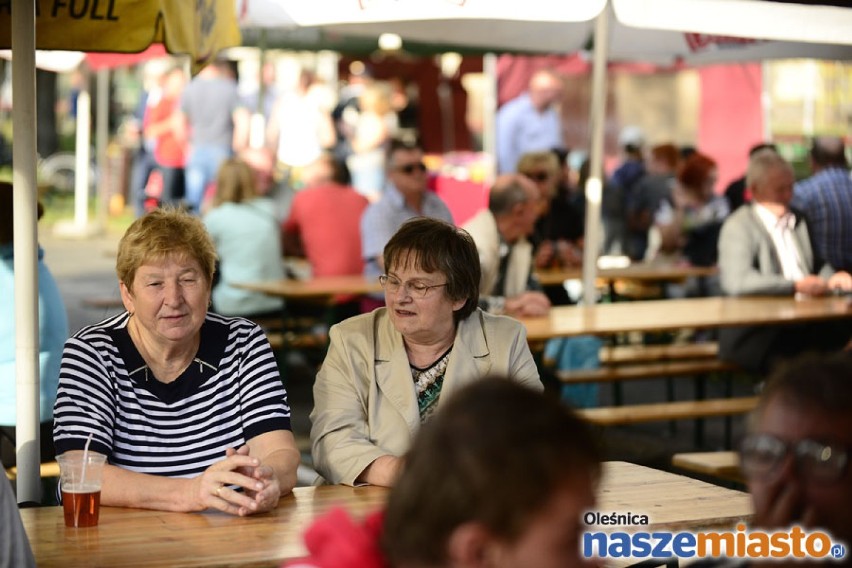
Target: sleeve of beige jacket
340	439
523	367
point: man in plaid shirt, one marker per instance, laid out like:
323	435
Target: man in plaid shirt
826	200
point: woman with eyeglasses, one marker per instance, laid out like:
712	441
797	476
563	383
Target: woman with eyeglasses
387	371
796	458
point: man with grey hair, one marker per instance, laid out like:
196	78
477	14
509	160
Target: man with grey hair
826	200
765	249
505	255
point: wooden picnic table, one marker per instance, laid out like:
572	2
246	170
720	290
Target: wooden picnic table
137	537
675	314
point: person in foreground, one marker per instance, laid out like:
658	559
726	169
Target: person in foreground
15	548
477	490
796	458
765	249
387	371
188	406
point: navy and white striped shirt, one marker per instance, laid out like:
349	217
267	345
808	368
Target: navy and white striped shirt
229	394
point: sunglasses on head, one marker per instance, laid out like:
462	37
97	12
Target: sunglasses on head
538	176
409	169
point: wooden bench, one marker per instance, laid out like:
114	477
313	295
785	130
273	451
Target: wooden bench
621	354
723	465
47	469
649	370
661	411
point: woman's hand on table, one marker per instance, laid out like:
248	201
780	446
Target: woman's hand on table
213	488
266	497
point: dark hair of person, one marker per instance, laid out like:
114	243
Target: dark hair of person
506	192
7	227
473	463
762	146
819	382
561	155
160	234
340	171
432	245
828	152
400	145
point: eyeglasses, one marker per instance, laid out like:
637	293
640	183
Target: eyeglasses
409	169
761	454
416	289
538	176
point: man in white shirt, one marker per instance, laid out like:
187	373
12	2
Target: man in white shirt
765	249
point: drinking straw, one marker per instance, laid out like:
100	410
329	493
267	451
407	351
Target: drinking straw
82	479
85	460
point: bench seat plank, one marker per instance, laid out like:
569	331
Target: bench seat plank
680	410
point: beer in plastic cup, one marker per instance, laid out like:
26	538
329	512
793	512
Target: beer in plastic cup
80	482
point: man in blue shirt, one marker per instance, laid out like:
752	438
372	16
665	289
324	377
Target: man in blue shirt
530	122
826	200
405	196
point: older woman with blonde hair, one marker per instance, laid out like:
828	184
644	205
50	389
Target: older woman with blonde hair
247	236
187	406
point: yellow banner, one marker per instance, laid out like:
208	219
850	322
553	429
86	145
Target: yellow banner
198	28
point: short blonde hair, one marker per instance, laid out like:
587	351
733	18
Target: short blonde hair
235	182
162	233
544	160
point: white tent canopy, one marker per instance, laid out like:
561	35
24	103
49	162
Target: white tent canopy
656	31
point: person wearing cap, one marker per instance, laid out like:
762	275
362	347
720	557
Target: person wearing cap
53	331
530	122
826	200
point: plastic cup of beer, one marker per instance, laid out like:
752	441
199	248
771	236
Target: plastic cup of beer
80	481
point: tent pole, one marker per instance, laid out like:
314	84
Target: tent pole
594	185
26	252
101	143
489	109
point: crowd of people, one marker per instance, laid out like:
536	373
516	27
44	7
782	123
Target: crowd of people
430	387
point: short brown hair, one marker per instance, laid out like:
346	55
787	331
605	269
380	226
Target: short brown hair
472	462
437	246
163	233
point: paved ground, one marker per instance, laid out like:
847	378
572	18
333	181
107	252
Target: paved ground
85	271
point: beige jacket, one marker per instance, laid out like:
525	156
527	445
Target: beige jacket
365	404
